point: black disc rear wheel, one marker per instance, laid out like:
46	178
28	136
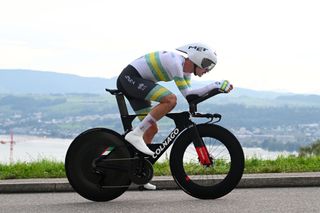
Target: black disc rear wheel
97	184
203	181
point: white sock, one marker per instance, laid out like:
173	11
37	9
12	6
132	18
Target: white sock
144	125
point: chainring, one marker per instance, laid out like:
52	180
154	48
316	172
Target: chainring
141	171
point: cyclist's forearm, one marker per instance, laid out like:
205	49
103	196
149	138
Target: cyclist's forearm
200	91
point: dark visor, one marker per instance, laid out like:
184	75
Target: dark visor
207	63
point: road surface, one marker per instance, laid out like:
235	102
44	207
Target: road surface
291	200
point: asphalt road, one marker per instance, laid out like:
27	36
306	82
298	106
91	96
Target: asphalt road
291	200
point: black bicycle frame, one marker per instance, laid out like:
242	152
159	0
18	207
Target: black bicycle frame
182	121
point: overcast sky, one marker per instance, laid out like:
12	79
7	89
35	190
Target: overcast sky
262	45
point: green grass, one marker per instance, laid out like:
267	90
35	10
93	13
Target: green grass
284	164
38	169
252	166
53	169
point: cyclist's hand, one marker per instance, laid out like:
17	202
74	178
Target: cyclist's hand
224	86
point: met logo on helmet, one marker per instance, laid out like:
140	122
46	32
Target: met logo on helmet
200	49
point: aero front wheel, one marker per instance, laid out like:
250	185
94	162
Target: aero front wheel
207	181
97	183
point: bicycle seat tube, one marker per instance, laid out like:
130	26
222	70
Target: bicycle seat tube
126	119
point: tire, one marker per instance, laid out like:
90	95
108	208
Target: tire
79	169
216	180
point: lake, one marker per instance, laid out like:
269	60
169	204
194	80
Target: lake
32	148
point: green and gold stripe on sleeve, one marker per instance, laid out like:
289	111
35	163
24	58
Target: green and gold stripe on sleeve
181	83
154	63
188	80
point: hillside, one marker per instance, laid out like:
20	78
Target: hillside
40	82
21	82
37	82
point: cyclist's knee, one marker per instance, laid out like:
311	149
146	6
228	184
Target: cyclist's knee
170	100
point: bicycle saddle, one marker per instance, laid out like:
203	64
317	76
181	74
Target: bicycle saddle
114	91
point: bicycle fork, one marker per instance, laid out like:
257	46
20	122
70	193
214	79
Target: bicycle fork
202	151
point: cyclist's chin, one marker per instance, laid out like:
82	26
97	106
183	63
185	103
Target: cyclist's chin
200	74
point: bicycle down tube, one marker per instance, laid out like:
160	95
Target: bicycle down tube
182	122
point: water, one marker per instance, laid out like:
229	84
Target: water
32	148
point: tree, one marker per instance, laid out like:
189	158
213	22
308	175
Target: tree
311	150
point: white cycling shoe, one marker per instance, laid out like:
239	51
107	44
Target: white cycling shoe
149	186
138	142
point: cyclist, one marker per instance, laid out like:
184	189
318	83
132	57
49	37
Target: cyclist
138	82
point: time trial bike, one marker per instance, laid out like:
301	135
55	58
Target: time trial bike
206	160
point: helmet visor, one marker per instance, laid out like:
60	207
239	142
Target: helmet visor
207	64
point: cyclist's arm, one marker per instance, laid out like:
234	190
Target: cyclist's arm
199	91
223	86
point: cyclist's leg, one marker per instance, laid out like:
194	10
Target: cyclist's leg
140	92
153	129
165	106
150	128
135	88
167	103
150	133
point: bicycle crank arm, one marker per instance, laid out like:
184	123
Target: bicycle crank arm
122	164
140	170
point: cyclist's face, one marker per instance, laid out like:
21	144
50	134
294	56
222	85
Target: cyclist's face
200	71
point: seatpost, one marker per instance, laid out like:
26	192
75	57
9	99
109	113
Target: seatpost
122	104
123	112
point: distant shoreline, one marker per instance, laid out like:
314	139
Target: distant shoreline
32	148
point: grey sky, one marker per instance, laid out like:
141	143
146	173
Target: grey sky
263	45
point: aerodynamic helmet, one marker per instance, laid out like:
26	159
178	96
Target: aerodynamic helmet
200	54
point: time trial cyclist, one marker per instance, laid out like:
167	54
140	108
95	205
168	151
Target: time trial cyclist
138	82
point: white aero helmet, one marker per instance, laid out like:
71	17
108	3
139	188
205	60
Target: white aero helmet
200	54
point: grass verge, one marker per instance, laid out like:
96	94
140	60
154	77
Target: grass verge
53	169
38	169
